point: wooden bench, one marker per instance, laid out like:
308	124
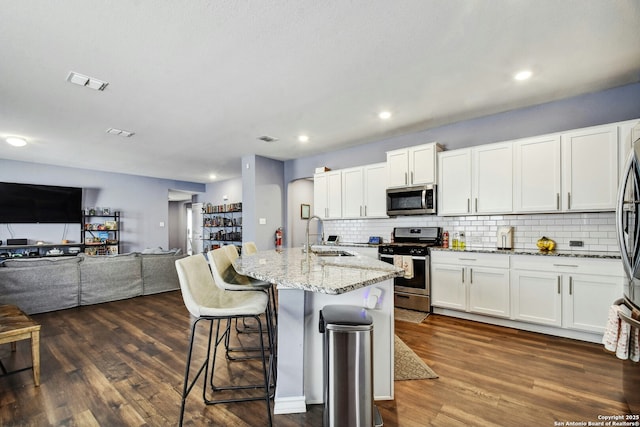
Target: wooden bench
17	326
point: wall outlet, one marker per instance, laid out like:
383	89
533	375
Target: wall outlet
578	243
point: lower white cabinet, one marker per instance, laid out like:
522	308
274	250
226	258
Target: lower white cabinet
570	295
536	297
573	293
472	282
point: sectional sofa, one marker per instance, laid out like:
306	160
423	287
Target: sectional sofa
38	285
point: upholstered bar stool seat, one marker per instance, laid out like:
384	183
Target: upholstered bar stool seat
228	279
207	301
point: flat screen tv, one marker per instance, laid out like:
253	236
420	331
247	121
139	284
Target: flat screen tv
32	203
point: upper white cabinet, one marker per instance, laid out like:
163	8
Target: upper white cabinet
628	132
327	195
492	178
476	180
413	165
375	195
576	171
363	191
536	177
590	169
352	195
454	182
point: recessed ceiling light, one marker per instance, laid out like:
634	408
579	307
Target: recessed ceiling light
212	176
523	75
384	115
303	138
16	142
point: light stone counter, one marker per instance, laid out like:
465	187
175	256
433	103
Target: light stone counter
535	252
291	268
306	283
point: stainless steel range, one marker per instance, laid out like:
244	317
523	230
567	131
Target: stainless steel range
411	248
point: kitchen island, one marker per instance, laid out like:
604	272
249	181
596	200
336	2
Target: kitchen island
306	283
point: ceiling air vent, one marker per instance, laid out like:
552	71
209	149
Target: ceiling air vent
120	132
267	138
90	82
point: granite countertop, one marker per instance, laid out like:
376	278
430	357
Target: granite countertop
291	268
534	252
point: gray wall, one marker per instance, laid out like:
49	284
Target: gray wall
263	198
613	105
298	192
143	202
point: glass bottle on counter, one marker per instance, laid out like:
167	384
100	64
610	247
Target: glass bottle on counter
445	240
454	241
462	244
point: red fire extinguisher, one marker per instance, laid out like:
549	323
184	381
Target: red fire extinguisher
279	239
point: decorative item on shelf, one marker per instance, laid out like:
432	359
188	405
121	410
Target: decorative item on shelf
111	225
545	245
106	211
91	211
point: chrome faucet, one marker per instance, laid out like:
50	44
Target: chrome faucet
308	247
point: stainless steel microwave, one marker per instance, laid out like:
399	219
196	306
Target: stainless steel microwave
416	200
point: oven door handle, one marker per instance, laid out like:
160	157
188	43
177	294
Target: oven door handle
419	258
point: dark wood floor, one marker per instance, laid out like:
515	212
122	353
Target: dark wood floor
122	363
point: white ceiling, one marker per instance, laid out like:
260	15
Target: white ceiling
198	81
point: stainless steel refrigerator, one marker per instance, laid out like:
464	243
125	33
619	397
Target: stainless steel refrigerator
628	230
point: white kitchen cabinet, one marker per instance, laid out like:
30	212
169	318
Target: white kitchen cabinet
588	299
412	166
573	293
536	176
363	191
352	192
492	178
628	132
476	180
327	195
447	285
454	182
590	169
536	297
375	195
472	282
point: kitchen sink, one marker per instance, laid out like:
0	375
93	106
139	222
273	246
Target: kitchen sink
333	253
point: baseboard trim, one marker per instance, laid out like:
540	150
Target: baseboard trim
289	405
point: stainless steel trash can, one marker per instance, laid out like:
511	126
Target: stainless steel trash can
348	367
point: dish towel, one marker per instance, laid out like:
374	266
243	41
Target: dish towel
634	346
618	335
407	264
404	262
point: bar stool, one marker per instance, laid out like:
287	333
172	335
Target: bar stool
249	248
206	301
226	277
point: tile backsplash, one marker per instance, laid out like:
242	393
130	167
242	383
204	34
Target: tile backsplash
597	231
